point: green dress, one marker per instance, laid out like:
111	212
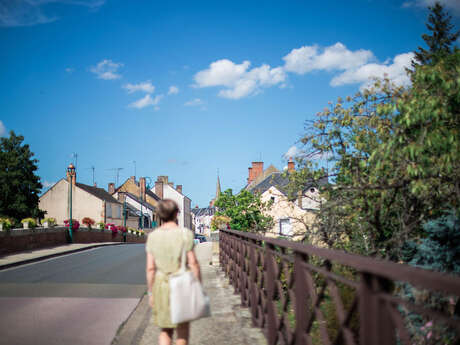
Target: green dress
166	247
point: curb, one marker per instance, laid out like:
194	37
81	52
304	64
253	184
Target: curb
132	329
49	256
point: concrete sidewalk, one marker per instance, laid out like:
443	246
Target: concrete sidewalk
47	253
230	324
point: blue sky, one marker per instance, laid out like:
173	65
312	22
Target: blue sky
187	88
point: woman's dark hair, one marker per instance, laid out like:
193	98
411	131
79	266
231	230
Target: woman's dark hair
168	210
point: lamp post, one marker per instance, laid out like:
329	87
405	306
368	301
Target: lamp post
71	172
125	214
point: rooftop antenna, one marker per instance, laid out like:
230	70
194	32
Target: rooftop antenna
92	168
75	157
134	169
118	173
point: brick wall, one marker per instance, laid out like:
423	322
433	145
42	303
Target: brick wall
15	241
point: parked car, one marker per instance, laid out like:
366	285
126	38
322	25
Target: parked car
200	238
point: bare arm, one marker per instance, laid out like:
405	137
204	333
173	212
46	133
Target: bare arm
150	275
193	264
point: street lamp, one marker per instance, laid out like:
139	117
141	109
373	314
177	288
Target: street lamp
71	172
125	215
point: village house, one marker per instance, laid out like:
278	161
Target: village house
201	218
292	216
140	199
164	189
87	201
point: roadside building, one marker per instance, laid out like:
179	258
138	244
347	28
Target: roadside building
138	207
164	189
87	201
292	215
202	219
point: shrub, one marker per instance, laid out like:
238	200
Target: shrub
122	229
6	223
219	222
89	222
75	224
51	221
32	223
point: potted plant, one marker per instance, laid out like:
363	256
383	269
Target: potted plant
101	226
88	222
122	229
49	222
5	224
75	224
28	223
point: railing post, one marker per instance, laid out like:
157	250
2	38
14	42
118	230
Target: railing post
375	325
253	281
301	300
271	326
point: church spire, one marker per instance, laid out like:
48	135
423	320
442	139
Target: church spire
218	191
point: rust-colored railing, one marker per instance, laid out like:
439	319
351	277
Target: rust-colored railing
300	294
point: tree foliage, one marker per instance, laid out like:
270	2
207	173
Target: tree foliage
440	41
19	185
395	160
245	211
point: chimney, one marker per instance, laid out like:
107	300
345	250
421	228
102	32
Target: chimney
133	179
111	188
250	175
257	169
163	179
95	184
142	184
159	188
291	165
179	188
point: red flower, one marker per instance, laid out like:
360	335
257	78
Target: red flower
75	224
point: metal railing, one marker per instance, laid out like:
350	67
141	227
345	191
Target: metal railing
300	294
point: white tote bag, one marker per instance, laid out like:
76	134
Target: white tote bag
187	299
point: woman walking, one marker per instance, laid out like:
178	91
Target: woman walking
164	249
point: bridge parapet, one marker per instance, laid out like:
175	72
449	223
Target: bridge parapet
17	240
300	294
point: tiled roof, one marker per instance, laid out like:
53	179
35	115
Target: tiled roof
98	193
144	203
152	194
280	182
205	211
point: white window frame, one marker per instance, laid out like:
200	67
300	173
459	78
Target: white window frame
281	227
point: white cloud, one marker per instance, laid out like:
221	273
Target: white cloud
69	70
293	152
395	71
107	69
239	81
29	12
146	87
146	101
335	57
173	90
194	102
2	129
451	5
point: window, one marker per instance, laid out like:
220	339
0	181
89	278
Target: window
272	199
108	210
285	227
312	190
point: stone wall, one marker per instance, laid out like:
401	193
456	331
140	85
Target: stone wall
18	240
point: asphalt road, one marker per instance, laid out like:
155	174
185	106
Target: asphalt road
80	298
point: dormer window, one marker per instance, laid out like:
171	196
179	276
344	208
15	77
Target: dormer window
272	199
312	190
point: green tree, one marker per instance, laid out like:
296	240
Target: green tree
441	39
19	185
245	210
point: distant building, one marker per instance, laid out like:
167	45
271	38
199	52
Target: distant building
87	201
138	207
164	189
291	215
202	219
